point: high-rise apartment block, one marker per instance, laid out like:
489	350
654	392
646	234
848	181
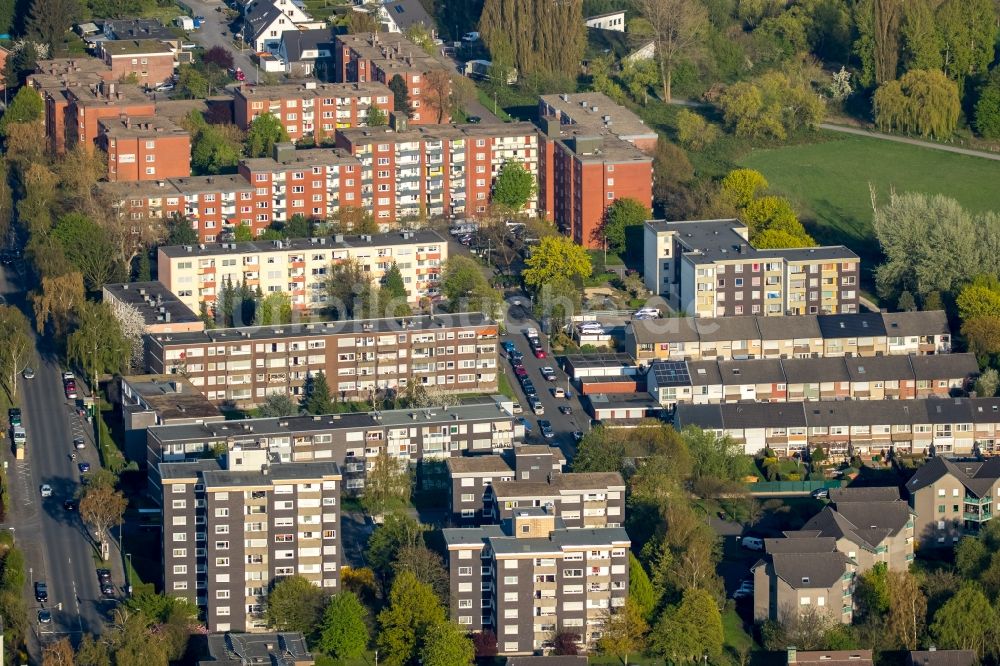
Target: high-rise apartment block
593	152
351	440
530	577
708	268
380	56
232	529
453	353
438	169
311	109
301	267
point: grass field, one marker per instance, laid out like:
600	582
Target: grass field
828	182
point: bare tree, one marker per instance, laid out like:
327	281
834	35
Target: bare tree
678	32
17	348
102	506
437	93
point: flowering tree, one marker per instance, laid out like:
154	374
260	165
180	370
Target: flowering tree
133	328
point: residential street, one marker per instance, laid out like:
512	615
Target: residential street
55	542
215	32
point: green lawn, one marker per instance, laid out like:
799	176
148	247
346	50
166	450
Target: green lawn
828	182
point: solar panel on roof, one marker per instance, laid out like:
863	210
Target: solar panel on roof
672	372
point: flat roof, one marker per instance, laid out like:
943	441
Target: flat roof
338	242
602	360
140	126
383	134
108	94
301	158
263	427
312	87
172	396
588	110
276	472
392	51
127	47
153	301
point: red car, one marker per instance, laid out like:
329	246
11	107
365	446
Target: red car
520	371
539	353
70	390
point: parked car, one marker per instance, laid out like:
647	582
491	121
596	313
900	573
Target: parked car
546	428
548	373
104	576
565	409
475	120
524	422
14	416
520	371
84	467
820	493
517	408
41	592
44	616
79	443
46	490
752	543
69	505
539	353
558	392
744	590
577	435
28	373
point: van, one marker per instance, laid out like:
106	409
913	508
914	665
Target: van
752	543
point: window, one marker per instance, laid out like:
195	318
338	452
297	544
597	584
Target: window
465	571
222	513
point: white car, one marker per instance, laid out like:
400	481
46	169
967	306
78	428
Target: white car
744	590
46	490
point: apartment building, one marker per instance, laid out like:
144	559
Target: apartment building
86	106
351	440
313	183
214	205
147	62
708	268
234	528
51	79
311	108
379	56
580	500
795	380
439	169
593	152
959	426
803	574
300	267
870	526
161	311
242	366
530	577
950	498
144	148
867	334
472	478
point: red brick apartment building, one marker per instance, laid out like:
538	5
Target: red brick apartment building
213	204
149	60
593	152
436	170
379	56
144	148
52	79
315	183
311	108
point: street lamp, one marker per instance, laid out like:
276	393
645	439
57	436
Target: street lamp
128	574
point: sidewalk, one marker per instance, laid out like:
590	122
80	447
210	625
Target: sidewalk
913	142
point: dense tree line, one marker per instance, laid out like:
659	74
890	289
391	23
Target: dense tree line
534	36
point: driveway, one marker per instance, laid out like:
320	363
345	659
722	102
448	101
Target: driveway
215	32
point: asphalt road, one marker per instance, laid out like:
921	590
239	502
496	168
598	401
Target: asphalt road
215	32
562	424
55	542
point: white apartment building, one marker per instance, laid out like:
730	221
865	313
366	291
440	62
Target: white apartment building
299	267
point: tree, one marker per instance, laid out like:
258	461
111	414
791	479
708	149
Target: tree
275	308
624	631
59	653
922	101
426	565
689	630
396	532
954	627
878	24
621	214
87	246
987	383
513	187
102	507
17	349
180	231
772	105
538	37
555	257
400	95
640	590
98	344
26	107
694	132
922	45
393	296
907	609
979	298
412	610
716	457
344	630
968	32
678	30
987	113
350	291
387	485
376	117
219	56
192	83
276	405
352	220
215	149
446	644
317	395
565	643
295	604
49	20
265	131
92	653
437	94
56	300
741	187
461	275
422	37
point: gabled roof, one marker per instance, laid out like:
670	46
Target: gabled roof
261	15
810	570
727	328
944	366
296	42
934	657
754	371
931	322
855	325
809	370
878	368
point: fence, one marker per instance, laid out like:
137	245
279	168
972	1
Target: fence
789	487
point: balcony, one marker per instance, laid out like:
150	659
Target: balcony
977	517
